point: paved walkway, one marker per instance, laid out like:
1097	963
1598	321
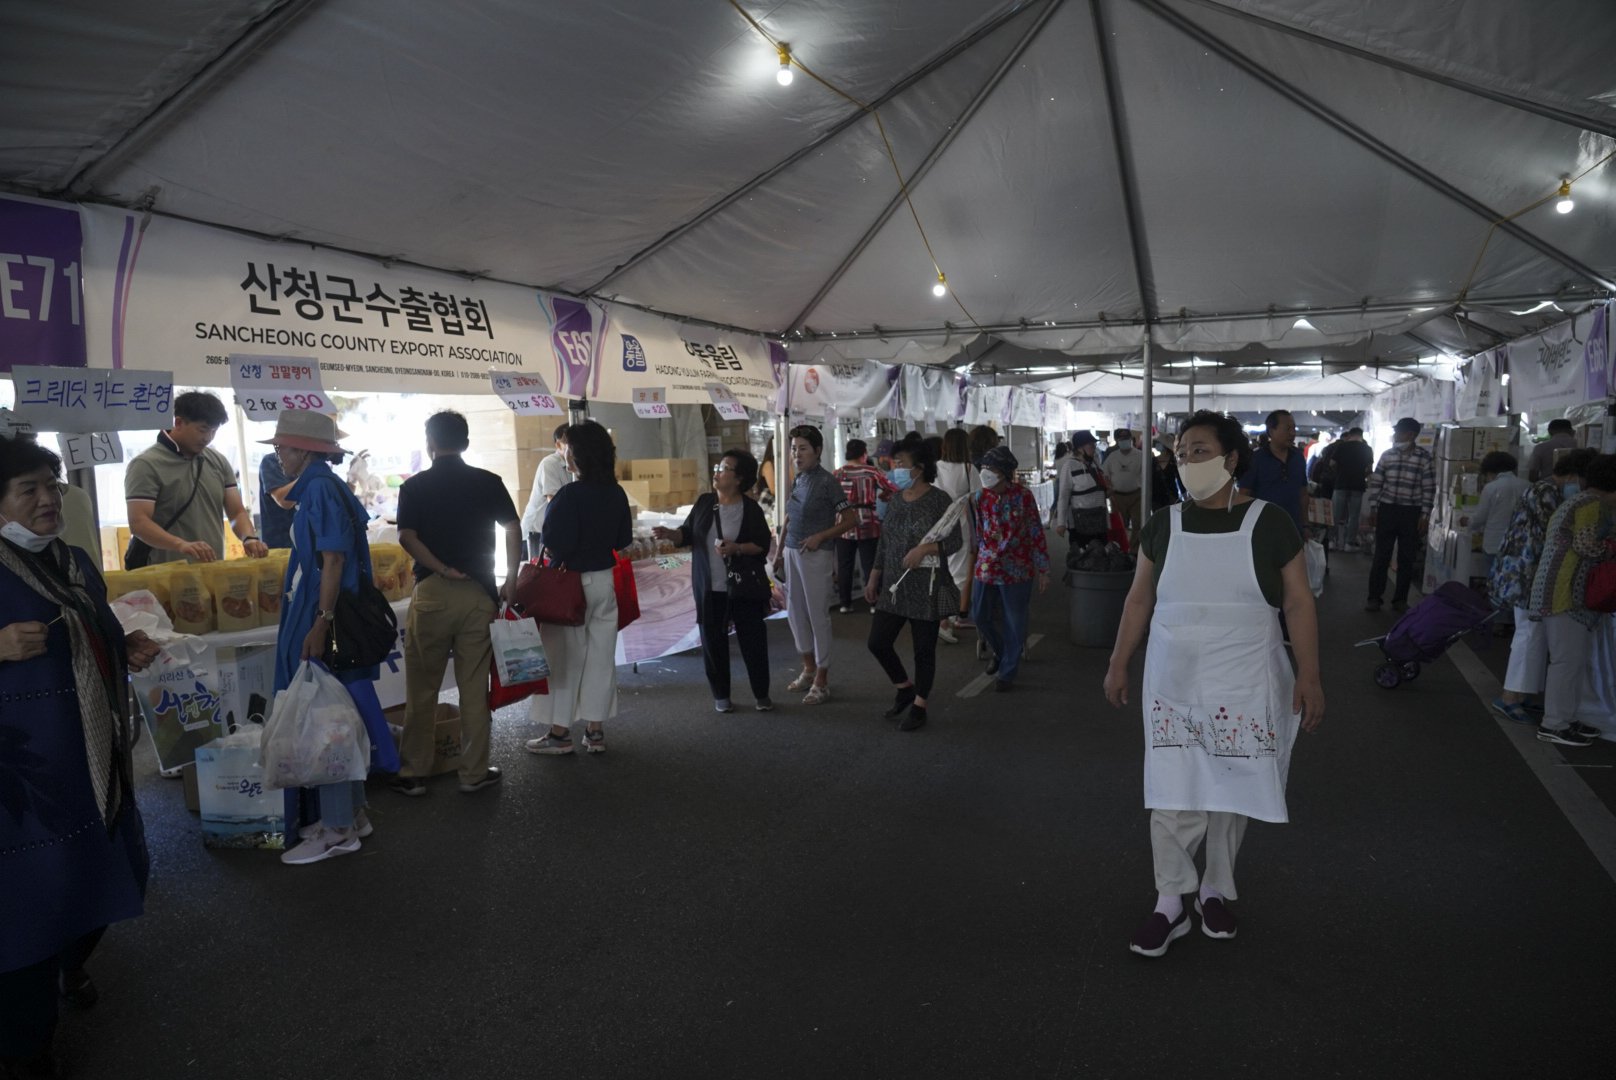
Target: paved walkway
813	894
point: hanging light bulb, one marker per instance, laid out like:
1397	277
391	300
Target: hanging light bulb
941	288
1565	204
784	75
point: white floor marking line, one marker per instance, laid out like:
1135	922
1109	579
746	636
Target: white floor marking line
1587	813
982	682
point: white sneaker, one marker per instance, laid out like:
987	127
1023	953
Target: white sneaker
946	633
322	845
362	827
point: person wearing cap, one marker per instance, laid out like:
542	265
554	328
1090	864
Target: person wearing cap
1011	554
329	553
1079	508
179	492
1401	491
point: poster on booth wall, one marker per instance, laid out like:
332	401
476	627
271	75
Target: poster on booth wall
41	308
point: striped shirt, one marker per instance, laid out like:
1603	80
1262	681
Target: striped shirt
1578	537
1406	476
815	503
863	485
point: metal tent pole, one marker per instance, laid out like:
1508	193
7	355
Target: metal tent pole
1149	464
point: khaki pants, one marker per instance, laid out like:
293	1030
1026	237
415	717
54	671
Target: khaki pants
1127	504
1176	835
447	616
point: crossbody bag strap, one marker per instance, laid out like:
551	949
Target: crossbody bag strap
196	485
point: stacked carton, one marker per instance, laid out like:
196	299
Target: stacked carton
662	483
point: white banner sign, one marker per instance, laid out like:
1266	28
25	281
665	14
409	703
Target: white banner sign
864	385
83	400
525	394
1477	391
267	386
651	403
1546	370
88	451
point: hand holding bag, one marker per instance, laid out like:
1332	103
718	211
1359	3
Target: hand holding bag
745	578
501	694
550	594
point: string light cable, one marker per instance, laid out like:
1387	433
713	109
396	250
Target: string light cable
1561	196
789	60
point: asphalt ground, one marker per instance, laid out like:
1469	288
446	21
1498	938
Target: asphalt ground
811	893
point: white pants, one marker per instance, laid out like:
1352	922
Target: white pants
1176	835
808	593
1569	643
583	661
1528	656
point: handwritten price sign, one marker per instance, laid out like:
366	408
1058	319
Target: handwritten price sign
267	386
88	451
724	402
651	403
527	395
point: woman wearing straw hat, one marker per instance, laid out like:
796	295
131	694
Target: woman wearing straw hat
329	552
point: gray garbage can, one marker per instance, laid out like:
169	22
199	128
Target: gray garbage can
1096	605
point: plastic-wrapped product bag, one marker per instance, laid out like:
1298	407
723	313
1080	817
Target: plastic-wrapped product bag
314	734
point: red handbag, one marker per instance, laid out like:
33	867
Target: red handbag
501	696
628	593
550	594
1601	594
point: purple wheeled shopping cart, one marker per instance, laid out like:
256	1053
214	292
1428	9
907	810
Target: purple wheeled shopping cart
1426	631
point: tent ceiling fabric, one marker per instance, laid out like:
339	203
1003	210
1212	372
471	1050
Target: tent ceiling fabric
566	146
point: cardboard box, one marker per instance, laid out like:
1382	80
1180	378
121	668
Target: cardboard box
638	492
666	474
446	735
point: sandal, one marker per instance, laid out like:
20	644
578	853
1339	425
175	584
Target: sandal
817	695
801	682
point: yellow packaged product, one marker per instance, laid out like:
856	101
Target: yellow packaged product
269	576
234	584
120	583
192	599
155	580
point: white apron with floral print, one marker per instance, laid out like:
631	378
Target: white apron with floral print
1218	683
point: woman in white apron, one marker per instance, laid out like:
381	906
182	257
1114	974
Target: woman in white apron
1221	704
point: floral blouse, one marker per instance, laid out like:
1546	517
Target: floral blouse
1509	583
1010	546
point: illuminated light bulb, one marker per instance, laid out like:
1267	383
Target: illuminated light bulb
1565	204
941	288
785	74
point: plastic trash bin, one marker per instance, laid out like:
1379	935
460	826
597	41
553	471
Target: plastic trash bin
1096	605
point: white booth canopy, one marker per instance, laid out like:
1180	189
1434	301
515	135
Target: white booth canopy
1213	169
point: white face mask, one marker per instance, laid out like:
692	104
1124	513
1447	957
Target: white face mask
1203	479
990	479
25	538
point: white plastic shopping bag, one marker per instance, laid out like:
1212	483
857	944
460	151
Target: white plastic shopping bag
314	734
1317	565
518	651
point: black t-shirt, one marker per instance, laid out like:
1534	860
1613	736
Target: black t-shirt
1350	464
586	523
453	508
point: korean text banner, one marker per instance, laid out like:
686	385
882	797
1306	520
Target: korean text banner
640	349
1546	370
185	297
41	310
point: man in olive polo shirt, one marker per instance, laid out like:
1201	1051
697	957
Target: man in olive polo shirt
158	486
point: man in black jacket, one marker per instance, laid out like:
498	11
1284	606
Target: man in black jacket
1345	465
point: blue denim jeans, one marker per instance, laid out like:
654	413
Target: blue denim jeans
1014	600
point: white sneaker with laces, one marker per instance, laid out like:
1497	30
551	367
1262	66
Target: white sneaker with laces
362	827
946	633
321	846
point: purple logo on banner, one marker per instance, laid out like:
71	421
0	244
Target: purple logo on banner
41	317
1596	356
780	368
572	336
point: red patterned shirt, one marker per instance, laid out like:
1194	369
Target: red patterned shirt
863	484
1010	545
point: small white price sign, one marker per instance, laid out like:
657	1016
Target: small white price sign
267	386
11	427
527	395
651	403
87	451
724	402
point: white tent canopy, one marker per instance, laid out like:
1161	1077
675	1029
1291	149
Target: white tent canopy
1212	169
